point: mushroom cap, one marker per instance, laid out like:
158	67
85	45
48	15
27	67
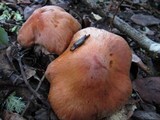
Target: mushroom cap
93	80
51	27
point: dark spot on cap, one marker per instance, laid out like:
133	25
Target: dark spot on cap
110	63
39	34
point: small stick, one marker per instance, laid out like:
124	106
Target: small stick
146	43
29	102
79	42
27	83
116	12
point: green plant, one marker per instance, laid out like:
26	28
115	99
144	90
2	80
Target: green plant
14	103
9	14
3	36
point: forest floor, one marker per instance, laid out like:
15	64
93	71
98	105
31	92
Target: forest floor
28	100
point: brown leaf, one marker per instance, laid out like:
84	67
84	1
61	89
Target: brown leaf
41	114
11	116
139	62
148	89
29	10
145	20
143	115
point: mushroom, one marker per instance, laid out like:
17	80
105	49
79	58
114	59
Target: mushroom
92	81
51	27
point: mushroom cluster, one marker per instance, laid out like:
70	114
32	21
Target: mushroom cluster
92	80
51	27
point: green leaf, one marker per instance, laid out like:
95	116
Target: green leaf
17	16
15	29
5	16
2	6
3	36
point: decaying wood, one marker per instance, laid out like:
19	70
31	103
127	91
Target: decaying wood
153	48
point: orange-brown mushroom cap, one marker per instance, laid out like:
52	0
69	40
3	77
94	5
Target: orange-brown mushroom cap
49	26
93	80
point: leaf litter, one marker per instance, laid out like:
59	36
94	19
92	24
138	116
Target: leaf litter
34	62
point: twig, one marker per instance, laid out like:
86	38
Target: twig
116	11
152	47
29	102
27	83
140	64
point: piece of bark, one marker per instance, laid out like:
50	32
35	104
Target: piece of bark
146	43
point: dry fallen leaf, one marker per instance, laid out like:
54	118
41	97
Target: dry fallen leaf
145	20
148	89
11	116
143	115
139	62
